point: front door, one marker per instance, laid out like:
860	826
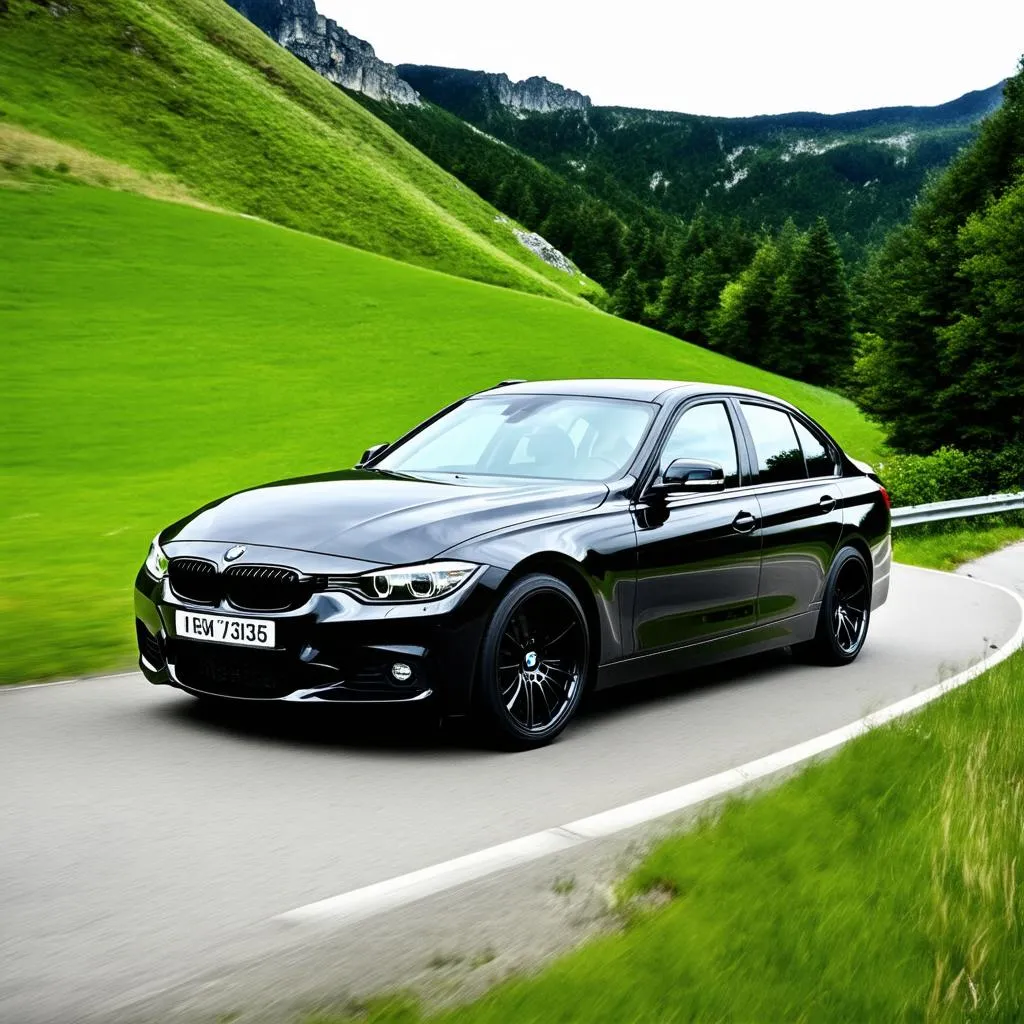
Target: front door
698	555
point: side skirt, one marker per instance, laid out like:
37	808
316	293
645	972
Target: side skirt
755	640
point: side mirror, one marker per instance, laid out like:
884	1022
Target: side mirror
692	475
371	453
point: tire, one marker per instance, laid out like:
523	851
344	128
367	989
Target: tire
845	612
534	664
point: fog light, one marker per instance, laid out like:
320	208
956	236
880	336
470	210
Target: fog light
401	672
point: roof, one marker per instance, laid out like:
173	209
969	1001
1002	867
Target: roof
639	389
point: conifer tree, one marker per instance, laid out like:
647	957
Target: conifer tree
939	299
670	308
810	335
628	299
983	348
710	253
741	326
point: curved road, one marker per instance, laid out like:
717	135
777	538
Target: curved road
141	835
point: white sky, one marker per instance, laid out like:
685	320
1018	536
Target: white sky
710	57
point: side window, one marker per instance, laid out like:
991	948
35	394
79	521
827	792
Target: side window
820	461
778	452
704	432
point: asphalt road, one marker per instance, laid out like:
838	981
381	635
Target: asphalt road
142	836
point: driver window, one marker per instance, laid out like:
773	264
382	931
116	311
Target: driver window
704	432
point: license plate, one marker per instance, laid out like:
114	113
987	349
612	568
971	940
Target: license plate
223	629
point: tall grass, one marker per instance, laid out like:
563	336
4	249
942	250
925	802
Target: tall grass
976	924
881	885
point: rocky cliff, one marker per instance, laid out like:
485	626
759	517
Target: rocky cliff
486	91
327	48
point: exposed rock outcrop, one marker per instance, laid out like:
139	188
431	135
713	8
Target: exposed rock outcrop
542	248
327	48
492	90
536	93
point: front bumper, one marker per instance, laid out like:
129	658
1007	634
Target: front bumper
333	649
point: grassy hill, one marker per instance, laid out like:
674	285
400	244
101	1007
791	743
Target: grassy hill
157	355
189	95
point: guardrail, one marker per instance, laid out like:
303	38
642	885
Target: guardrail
959	508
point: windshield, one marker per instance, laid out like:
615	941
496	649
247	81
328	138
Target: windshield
538	436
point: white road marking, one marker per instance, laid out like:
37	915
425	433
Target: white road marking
370	900
18	687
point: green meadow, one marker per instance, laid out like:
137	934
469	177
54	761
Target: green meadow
157	356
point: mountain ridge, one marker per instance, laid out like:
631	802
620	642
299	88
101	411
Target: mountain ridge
326	47
970	105
535	94
351	62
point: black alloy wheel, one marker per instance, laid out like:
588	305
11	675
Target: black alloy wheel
534	663
845	611
850	607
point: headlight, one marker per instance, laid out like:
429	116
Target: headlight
156	560
415	582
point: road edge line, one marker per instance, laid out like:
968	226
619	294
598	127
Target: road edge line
370	900
19	687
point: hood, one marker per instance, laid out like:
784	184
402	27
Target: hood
379	517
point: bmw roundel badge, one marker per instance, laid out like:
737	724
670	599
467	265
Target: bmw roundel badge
232	553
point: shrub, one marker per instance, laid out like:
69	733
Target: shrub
948	474
942	476
1008	468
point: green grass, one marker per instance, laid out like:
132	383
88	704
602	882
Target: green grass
157	356
884	884
954	548
191	89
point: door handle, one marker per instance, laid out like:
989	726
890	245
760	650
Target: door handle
744	522
827	502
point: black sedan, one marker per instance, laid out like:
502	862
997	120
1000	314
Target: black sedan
522	546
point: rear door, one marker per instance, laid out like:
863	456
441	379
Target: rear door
800	507
698	554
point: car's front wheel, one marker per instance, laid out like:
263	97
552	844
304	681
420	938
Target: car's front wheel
845	611
533	663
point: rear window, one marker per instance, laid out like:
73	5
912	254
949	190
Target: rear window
820	460
779	457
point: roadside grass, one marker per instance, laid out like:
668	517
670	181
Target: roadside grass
188	91
952	548
882	884
157	356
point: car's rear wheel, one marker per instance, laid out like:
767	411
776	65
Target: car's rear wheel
533	663
845	611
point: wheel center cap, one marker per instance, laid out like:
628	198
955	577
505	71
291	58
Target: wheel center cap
531	659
